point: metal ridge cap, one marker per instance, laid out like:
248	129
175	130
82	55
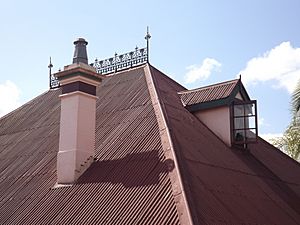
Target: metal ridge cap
168	148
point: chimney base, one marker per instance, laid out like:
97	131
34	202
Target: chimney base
72	164
77	135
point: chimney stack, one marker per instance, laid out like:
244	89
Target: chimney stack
78	116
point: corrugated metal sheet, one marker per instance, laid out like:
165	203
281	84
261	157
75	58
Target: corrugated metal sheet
208	93
128	183
229	186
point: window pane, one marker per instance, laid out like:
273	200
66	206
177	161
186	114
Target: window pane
239	135
249	109
239	110
250	134
250	122
239	123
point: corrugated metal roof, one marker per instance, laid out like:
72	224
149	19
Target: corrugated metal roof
228	186
128	183
208	93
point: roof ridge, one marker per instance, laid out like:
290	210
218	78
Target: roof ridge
178	189
209	86
167	77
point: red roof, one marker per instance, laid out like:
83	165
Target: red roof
156	163
128	183
208	93
227	185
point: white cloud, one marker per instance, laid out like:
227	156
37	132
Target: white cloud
281	64
9	97
201	72
268	137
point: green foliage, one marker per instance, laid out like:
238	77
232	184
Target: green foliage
295	104
290	141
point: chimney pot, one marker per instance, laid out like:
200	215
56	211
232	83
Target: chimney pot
80	53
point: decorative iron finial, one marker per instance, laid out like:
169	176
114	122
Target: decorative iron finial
80	54
50	67
147	37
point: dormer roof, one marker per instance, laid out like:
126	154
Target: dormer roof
213	95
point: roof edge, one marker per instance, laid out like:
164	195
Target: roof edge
207	86
238	87
26	103
175	176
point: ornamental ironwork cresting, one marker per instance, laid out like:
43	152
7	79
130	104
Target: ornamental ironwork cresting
121	62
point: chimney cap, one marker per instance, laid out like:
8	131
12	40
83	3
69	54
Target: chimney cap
80	54
80	40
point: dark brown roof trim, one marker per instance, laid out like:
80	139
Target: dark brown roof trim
79	72
79	86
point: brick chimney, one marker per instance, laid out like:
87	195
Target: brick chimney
78	116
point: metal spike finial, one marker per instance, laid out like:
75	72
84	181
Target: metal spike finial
50	72
147	37
50	64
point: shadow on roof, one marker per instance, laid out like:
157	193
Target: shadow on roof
134	170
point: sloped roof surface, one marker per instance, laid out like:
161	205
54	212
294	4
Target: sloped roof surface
229	186
127	184
208	93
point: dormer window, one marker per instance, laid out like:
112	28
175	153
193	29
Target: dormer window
244	122
226	109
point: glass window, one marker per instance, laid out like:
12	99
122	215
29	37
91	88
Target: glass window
244	122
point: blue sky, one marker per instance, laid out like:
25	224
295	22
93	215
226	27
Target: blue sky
194	42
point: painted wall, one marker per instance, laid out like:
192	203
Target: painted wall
218	120
77	135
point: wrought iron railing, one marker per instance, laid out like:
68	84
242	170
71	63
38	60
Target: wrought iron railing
121	62
111	65
54	83
114	64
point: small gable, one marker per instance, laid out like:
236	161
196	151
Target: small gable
221	107
213	95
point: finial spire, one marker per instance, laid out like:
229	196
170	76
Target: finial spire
50	65
80	54
147	37
50	72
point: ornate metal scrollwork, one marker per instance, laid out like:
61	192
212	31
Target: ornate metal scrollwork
121	62
111	65
54	83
